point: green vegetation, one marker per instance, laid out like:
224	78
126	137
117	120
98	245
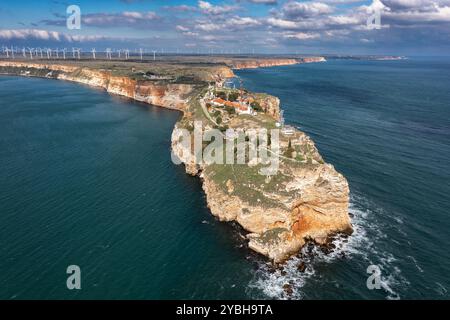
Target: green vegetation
221	94
256	106
233	96
289	151
230	110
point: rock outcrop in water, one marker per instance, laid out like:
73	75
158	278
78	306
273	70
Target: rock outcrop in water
307	200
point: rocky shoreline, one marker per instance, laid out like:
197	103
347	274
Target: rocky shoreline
310	203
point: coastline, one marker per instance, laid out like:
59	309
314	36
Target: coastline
276	232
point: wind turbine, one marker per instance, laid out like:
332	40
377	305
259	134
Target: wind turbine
31	53
127	54
12	52
49	53
93	53
154	55
64	53
24	53
140	52
108	53
6	49
119	51
57	53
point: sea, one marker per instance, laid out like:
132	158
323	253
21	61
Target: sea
87	180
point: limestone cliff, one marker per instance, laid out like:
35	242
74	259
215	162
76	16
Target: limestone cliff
269	62
261	63
163	94
307	199
313	59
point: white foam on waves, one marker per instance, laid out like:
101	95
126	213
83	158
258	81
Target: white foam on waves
360	248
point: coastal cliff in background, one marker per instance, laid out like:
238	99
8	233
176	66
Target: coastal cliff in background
253	64
262	63
155	90
306	200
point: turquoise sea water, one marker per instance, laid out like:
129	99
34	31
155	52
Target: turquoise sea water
87	179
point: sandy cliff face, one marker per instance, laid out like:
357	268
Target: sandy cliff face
168	95
311	205
279	233
261	63
320	212
313	59
271	106
221	73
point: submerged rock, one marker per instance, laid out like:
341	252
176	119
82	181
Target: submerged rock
301	267
288	289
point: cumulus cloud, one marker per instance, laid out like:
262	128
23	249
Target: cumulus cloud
181	8
38	34
208	8
306	9
266	2
182	28
242	21
126	18
208	26
283	22
230	24
302	36
417	11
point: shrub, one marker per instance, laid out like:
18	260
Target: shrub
256	106
230	110
233	96
289	150
221	94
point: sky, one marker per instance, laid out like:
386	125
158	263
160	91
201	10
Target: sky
407	27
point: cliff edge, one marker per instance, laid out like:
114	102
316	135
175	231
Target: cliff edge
307	199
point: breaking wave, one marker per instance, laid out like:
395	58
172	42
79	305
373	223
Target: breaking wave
361	249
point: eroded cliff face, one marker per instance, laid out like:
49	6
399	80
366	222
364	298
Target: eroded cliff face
261	63
168	95
271	106
313	59
308	201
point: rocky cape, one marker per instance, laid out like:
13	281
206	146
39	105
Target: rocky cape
309	203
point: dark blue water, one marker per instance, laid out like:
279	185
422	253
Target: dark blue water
386	126
87	180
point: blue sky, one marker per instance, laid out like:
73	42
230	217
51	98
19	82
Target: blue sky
408	27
